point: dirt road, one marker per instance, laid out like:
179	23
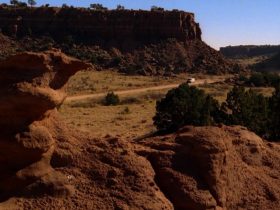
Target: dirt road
136	91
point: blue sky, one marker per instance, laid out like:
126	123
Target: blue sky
223	22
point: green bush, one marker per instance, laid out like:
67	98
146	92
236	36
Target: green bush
257	79
111	99
98	7
260	79
247	108
274	118
243	78
185	105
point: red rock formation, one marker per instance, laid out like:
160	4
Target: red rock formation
198	168
100	25
216	168
30	90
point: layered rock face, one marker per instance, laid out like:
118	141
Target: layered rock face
100	25
216	168
30	91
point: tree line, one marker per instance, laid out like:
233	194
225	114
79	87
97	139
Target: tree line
95	6
17	3
261	79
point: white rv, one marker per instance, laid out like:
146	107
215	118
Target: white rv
191	80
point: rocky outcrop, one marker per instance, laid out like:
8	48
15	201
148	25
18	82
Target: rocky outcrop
197	168
30	91
99	26
42	159
215	168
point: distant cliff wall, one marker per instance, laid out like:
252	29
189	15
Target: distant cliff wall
95	25
249	50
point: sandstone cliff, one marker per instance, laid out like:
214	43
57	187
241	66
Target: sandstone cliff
100	25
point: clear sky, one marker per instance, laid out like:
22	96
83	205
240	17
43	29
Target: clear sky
223	22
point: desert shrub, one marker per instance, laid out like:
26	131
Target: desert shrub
99	7
21	4
115	61
31	2
120	7
156	8
185	105
272	79
126	110
64	6
111	99
247	108
257	79
274	118
260	79
14	2
243	78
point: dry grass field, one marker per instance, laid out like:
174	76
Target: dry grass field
86	82
132	118
126	121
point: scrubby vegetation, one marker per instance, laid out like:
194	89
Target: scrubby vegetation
261	79
247	108
111	99
274	119
187	105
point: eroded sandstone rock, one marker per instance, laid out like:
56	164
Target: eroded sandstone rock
30	91
216	168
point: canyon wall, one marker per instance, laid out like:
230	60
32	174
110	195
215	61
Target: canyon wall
92	25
